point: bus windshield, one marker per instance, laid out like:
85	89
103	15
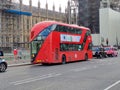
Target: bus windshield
38	41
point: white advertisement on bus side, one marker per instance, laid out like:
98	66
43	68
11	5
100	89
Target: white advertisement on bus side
70	38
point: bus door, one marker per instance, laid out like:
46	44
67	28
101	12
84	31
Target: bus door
90	55
35	47
88	44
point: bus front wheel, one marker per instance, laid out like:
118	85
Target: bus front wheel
63	59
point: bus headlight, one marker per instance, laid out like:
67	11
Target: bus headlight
33	55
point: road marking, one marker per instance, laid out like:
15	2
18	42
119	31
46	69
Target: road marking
112	85
79	69
84	68
36	78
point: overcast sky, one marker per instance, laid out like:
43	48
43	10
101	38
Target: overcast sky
57	3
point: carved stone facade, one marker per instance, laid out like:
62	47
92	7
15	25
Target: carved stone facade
17	19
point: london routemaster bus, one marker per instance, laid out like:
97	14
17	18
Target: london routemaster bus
55	42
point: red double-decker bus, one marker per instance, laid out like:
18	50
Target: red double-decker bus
55	42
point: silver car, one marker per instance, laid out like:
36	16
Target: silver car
3	63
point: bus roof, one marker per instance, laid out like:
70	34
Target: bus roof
64	24
44	24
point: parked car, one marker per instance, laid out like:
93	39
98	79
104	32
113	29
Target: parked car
111	51
3	63
99	52
94	50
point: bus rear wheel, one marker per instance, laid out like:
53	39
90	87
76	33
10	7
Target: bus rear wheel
63	59
86	57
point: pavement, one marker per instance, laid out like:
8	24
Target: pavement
24	60
20	62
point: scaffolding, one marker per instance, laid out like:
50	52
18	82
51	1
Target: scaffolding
72	12
88	14
16	20
113	4
10	24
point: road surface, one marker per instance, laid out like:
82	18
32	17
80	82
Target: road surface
97	74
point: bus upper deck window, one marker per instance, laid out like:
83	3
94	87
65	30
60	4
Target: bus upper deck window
88	33
53	27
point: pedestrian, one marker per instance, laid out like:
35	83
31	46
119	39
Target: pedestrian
15	52
20	54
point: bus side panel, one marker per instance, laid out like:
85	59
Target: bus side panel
50	50
90	56
44	55
89	51
75	56
70	55
89	40
55	42
57	54
51	53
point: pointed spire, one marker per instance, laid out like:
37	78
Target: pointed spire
53	7
68	2
30	9
39	9
65	10
20	1
53	11
20	4
46	10
30	4
38	3
60	8
46	5
60	16
69	12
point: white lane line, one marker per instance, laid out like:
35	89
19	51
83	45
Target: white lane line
35	79
84	68
112	85
79	69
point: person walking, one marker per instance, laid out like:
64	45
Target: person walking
19	53
15	52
